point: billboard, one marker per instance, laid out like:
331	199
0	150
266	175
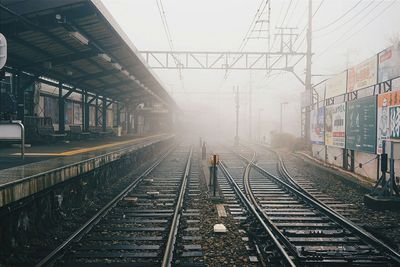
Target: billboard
317	122
389	63
335	127
394	125
361	124
362	75
385	122
336	85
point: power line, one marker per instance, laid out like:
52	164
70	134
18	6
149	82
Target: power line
339	18
352	18
169	37
352	28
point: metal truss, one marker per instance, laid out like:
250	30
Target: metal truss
223	60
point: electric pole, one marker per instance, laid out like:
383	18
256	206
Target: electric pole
250	108
308	86
237	115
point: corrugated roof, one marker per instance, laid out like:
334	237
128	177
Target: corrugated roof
72	41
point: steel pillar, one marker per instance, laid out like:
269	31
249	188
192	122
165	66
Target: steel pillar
96	111
118	115
104	114
61	110
86	113
20	98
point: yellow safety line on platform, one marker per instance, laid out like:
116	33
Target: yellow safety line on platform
88	149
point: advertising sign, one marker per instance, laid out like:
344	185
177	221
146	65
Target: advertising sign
389	63
317	122
394	125
361	124
335	127
336	85
385	103
362	75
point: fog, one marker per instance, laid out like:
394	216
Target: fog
344	33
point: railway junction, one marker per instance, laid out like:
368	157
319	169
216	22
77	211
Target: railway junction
100	165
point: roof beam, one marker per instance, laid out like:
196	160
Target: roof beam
64	59
97	75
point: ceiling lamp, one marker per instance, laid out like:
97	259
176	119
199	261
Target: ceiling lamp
79	37
104	57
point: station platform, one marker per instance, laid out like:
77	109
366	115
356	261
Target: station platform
10	156
47	165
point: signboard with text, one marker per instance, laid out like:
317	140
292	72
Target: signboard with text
385	102
336	85
394	122
362	75
335	127
389	63
317	122
361	124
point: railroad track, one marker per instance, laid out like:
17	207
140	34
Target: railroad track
147	224
304	230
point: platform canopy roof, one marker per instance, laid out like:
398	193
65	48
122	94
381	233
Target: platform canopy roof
78	43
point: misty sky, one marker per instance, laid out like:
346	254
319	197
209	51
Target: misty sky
345	33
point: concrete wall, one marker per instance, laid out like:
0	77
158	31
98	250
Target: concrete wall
335	156
318	152
368	161
369	164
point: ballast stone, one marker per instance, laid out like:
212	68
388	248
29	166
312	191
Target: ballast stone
220	228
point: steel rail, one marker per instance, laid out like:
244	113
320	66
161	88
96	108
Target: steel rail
338	218
100	214
170	245
288	261
247	187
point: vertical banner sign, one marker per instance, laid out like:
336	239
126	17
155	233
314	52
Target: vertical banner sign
394	125
385	103
335	127
362	75
336	85
361	124
317	121
389	63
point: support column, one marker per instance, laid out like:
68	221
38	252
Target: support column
128	120
104	114
83	109
118	115
86	113
308	85
96	112
61	110
20	99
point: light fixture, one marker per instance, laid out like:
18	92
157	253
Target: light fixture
104	56
117	66
125	72
79	37
132	78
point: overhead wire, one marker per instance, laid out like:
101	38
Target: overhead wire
364	9
169	37
344	35
338	18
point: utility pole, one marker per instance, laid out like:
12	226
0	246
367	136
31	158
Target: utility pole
308	85
281	125
259	124
237	115
250	108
